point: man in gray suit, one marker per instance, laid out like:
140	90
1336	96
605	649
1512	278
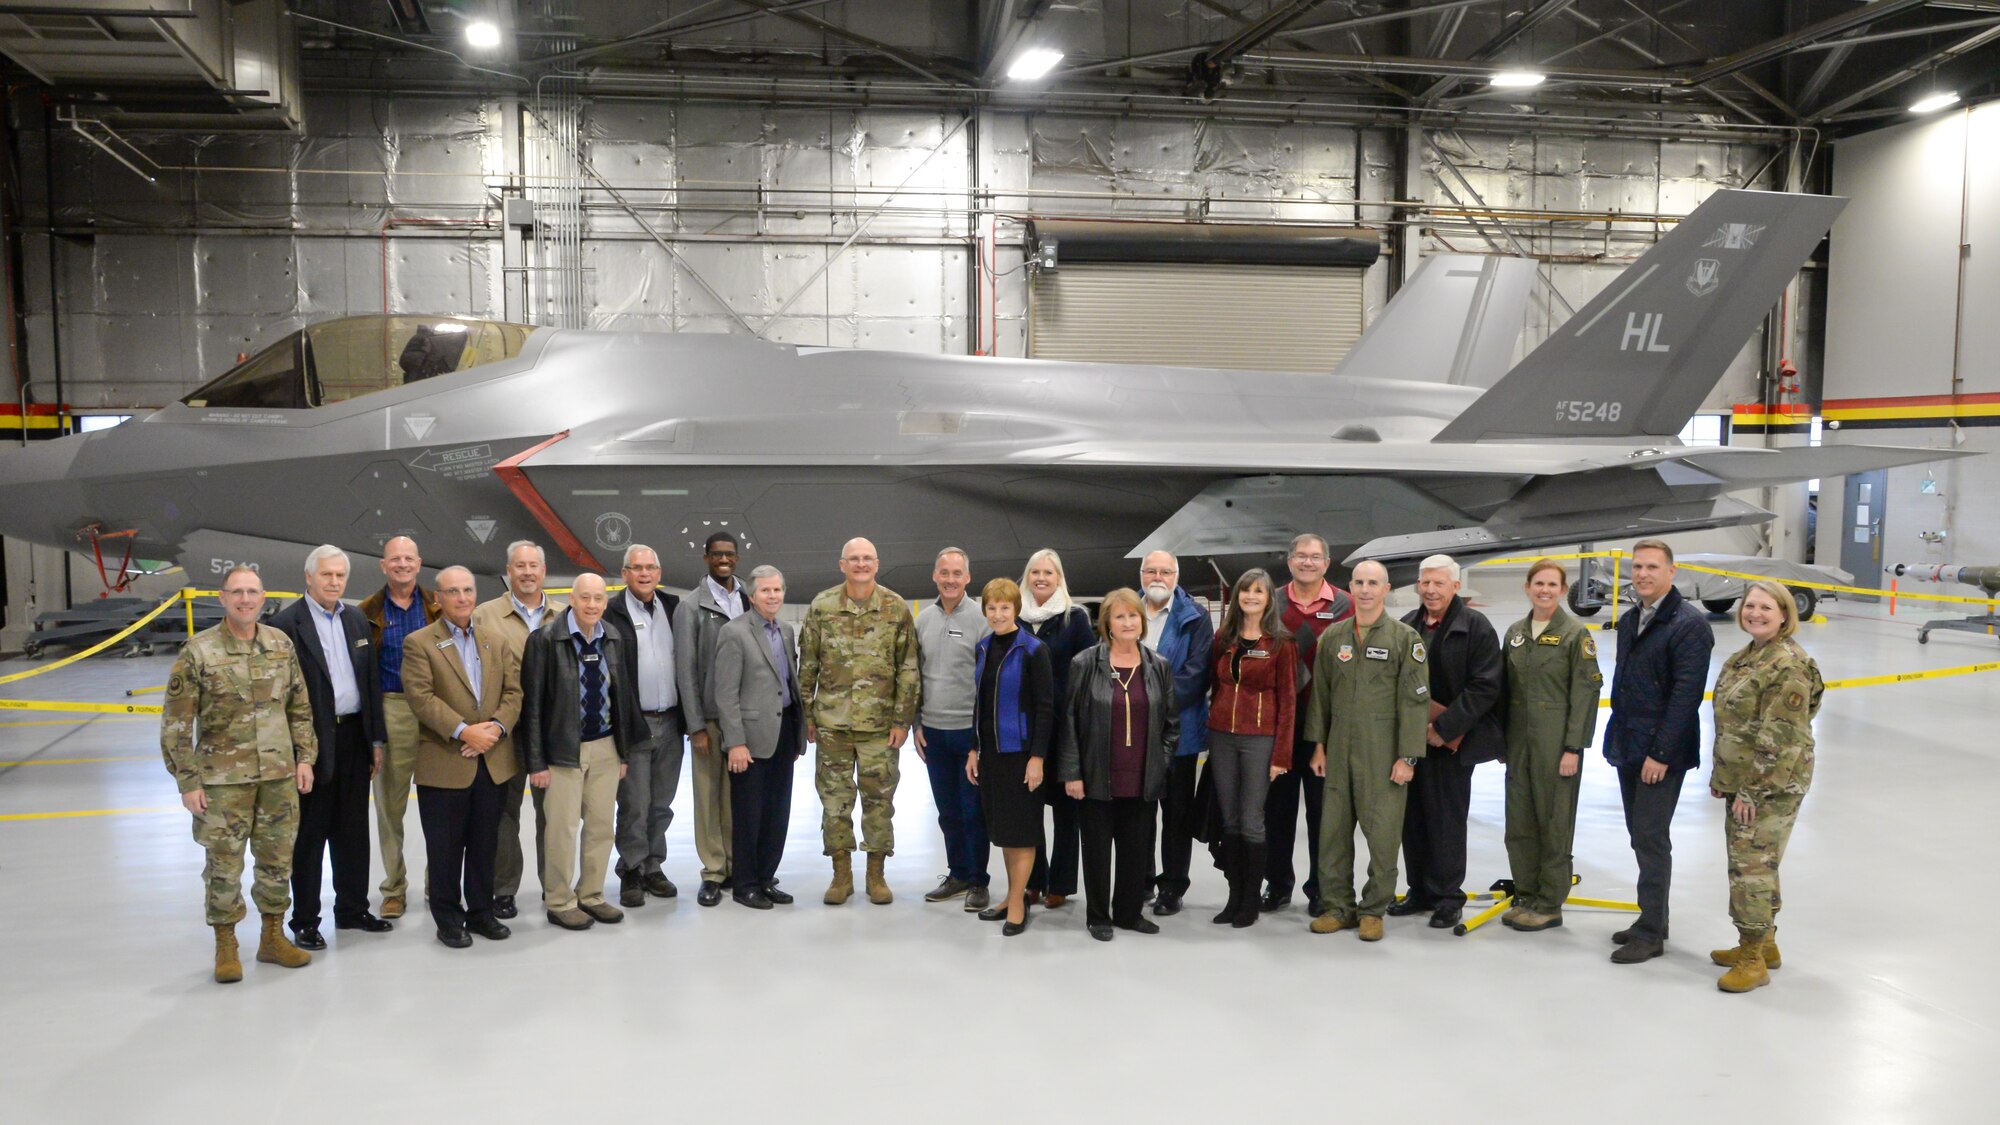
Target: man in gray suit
763	729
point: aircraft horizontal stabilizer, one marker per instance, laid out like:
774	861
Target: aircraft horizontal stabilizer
1741	467
1512	536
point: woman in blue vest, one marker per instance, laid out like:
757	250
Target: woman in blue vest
1013	713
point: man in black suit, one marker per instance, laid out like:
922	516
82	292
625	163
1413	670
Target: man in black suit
346	695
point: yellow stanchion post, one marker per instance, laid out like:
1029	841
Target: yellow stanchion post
1603	904
1498	908
1616	558
187	600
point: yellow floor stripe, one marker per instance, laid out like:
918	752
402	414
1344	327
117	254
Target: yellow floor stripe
74	722
79	761
88	812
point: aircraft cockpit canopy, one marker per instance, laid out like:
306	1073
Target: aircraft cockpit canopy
342	359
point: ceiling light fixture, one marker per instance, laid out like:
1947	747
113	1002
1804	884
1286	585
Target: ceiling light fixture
1033	63
482	34
1517	79
1935	102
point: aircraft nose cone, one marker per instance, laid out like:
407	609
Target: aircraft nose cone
39	500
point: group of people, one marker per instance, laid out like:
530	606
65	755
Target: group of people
1105	744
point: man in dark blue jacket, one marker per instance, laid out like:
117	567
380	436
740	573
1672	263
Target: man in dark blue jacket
1179	629
1654	736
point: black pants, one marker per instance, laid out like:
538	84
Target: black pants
760	809
1434	827
335	818
461	837
1055	867
1649	822
1281	823
1124	825
1178	818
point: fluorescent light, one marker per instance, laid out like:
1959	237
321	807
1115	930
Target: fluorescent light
1033	63
1517	79
482	34
1936	101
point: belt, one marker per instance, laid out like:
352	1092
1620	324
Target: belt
660	714
351	718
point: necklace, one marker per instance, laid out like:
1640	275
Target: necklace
1125	682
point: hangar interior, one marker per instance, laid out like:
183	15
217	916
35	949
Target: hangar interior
187	182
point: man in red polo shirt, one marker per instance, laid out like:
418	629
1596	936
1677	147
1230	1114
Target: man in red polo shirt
1308	604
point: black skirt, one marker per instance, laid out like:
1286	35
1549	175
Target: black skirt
1013	814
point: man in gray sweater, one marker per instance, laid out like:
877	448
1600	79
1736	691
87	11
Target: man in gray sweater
948	629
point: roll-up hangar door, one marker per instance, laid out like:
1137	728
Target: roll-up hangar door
1247	297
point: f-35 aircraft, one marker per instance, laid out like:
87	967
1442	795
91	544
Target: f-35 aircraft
468	434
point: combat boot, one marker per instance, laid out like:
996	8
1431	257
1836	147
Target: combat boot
1371	927
277	949
1748	971
1727	957
1330	923
228	962
878	887
842	887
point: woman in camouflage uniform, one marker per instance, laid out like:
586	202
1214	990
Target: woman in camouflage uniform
1765	700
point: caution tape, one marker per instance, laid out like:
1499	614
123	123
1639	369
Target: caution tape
1879	681
1862	590
93	650
92	708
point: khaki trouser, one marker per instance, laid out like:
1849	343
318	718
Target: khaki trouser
711	807
392	790
588	791
264	814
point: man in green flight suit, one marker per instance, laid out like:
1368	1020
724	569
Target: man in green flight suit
858	679
237	735
1370	703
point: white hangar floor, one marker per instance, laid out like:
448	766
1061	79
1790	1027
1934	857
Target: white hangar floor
1883	1010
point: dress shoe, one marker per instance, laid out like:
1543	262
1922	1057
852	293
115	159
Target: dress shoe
504	907
1447	915
1014	929
709	894
1054	900
603	912
1102	933
1274	900
1168	903
1408	905
367	924
1031	896
454	937
489	928
1371	927
978	899
659	886
572	919
1622	936
752	897
994	913
947	888
308	938
777	896
392	906
1141	925
1637	949
631	890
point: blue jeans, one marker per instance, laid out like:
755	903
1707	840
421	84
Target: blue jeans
957	798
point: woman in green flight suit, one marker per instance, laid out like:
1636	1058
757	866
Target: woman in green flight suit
1551	697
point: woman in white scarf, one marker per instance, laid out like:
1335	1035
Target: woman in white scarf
1047	612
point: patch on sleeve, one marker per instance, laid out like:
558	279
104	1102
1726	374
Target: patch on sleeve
1589	645
1795	701
1417	651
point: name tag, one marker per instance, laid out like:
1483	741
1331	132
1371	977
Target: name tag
1549	639
1257	654
954	633
638	624
361	642
442	645
591	659
1377	654
1324	615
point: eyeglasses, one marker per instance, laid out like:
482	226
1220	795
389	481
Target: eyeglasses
1152	572
242	593
1308	558
653	568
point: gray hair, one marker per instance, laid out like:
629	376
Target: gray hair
959	551
766	571
1319	539
1440	562
633	550
324	552
527	545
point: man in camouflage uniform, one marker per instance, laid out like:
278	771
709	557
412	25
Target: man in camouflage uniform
858	677
1765	700
237	734
1370	704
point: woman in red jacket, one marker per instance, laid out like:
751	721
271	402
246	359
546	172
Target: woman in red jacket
1254	673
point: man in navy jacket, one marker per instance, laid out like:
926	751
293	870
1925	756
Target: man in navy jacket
1654	736
1179	629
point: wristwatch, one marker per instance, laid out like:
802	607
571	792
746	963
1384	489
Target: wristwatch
1410	762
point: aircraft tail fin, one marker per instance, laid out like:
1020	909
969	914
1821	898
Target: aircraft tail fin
1639	359
1455	322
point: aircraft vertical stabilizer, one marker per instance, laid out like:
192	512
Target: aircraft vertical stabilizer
1455	322
1639	359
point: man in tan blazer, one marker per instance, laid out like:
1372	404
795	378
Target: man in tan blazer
465	690
519	610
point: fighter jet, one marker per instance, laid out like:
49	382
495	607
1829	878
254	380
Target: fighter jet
469	434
